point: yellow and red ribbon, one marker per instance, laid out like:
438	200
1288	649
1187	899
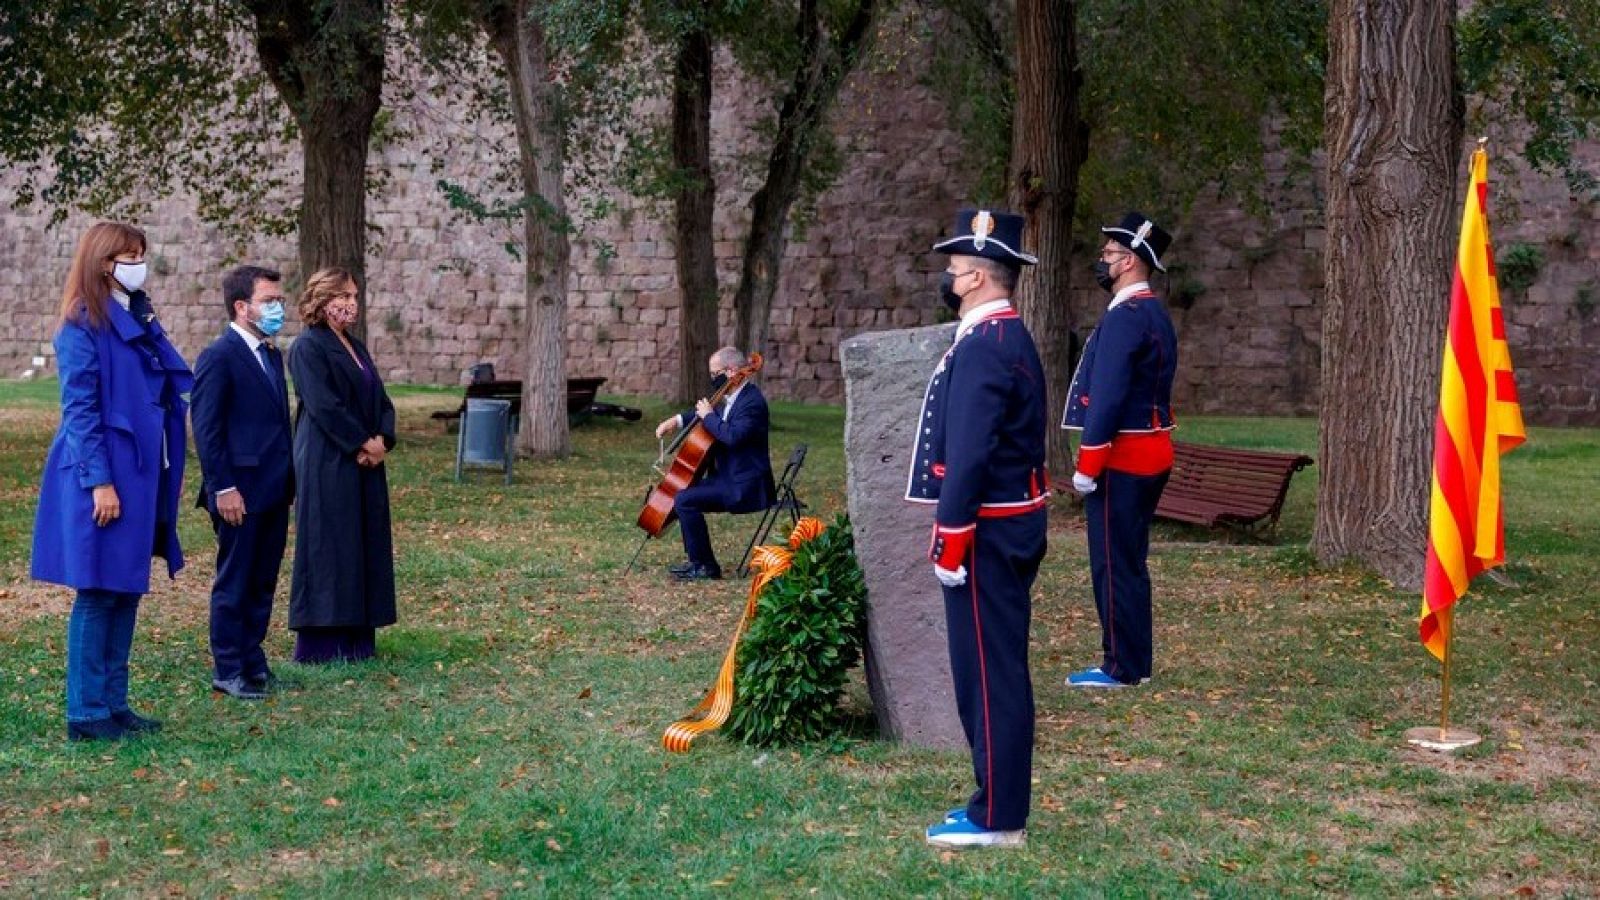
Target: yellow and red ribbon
766	564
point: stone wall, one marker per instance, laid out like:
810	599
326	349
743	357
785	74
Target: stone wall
445	294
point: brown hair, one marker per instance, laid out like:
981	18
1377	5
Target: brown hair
88	287
319	291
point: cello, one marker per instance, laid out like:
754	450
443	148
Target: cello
689	449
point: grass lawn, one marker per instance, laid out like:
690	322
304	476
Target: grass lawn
506	739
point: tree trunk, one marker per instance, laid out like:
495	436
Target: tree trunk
334	107
1049	143
693	207
821	71
519	40
1393	136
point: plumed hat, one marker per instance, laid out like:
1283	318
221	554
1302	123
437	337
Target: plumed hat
988	233
1142	236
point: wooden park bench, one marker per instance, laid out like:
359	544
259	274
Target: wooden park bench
484	390
1226	486
580	400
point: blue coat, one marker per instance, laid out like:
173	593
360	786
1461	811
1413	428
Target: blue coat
241	426
122	416
979	449
740	461
1124	378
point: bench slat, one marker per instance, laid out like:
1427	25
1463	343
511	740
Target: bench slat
1224	489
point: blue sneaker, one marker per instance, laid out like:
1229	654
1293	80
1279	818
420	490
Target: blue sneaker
1093	678
959	814
964	833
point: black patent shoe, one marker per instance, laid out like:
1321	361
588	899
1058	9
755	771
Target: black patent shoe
270	683
238	689
96	730
700	571
133	723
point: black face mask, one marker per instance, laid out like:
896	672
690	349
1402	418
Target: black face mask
947	292
718	380
1102	275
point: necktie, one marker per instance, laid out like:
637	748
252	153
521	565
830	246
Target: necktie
270	361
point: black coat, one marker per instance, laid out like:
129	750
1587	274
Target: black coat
343	556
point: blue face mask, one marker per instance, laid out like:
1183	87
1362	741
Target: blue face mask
271	321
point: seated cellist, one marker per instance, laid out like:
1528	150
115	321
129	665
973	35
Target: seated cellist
737	476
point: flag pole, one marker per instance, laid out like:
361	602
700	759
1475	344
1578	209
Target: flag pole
1449	622
1443	739
1464	512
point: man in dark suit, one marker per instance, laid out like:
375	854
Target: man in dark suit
737	476
240	411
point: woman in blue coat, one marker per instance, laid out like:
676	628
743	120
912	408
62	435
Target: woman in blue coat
108	501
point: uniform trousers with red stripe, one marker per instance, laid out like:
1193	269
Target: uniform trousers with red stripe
986	622
1118	514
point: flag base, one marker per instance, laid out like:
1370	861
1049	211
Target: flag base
1439	740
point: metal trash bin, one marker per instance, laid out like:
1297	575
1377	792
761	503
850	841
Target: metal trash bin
485	436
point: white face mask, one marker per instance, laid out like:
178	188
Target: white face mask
130	275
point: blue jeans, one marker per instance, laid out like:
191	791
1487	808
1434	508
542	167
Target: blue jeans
99	638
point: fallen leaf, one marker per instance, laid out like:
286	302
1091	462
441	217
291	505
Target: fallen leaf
332	801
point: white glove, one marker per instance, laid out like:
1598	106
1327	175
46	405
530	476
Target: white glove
949	578
1083	484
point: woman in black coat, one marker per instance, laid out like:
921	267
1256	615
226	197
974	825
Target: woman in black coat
343	588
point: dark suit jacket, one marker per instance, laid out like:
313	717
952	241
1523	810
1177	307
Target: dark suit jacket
740	460
241	426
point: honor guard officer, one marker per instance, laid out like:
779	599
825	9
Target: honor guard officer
980	459
1121	400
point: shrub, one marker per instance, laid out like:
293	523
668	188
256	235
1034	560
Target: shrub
806	634
1518	267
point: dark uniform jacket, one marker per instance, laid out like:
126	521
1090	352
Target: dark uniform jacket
1124	379
980	443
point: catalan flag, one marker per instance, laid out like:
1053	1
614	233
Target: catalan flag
1478	421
